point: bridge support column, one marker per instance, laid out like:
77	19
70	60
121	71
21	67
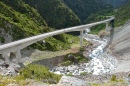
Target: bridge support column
6	56
106	26
111	34
18	56
81	38
111	31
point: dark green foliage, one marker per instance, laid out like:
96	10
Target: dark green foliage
115	3
80	59
97	29
22	21
61	37
55	13
54	45
22	25
38	72
122	15
2	39
83	8
99	16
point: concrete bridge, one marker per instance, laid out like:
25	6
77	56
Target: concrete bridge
17	46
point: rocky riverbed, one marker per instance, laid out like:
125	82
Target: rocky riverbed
101	63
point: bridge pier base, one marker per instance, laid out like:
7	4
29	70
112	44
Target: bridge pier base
81	38
6	56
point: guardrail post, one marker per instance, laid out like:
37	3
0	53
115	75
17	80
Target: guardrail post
81	38
6	56
18	56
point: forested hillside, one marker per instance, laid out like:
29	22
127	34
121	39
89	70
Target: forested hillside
25	18
22	21
122	15
83	8
55	13
115	3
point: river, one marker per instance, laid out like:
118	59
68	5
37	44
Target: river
100	63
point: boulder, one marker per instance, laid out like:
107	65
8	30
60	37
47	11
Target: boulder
72	58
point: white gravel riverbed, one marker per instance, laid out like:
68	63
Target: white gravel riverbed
101	63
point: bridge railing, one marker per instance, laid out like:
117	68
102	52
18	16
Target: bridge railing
16	46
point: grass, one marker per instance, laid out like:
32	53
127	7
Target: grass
113	78
112	82
66	63
70	74
83	74
75	47
17	80
34	72
78	56
38	72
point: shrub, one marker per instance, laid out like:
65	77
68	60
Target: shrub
38	72
67	63
102	33
83	74
113	78
80	59
70	74
2	40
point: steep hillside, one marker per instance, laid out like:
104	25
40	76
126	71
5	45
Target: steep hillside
115	3
24	22
83	8
122	30
55	13
122	15
20	21
121	43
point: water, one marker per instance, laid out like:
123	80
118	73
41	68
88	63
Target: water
101	62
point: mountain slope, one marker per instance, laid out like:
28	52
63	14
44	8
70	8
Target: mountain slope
83	8
19	20
122	30
122	15
55	13
116	3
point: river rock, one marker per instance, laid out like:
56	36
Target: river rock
72	81
72	58
101	63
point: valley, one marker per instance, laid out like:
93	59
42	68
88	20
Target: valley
60	60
